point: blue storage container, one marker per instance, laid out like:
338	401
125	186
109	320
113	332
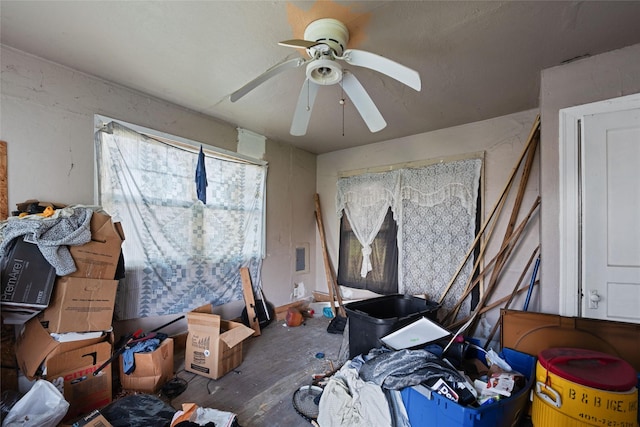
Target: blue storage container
427	408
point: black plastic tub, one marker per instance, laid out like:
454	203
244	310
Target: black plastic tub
371	319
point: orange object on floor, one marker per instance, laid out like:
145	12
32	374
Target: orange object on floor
294	317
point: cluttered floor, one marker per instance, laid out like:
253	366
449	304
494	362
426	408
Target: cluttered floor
264	389
275	365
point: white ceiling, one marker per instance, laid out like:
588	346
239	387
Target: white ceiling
476	59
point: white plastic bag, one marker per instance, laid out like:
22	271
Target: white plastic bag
42	406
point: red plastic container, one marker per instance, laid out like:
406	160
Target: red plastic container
589	368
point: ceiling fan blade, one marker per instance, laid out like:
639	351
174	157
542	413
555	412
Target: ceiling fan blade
299	43
276	69
363	103
383	65
304	107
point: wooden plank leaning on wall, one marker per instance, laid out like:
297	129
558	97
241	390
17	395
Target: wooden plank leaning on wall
9	374
4	189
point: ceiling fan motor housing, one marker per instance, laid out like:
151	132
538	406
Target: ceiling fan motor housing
330	32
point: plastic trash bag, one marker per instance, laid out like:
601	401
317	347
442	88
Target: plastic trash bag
42	406
138	410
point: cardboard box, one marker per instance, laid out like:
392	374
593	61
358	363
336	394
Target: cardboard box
98	259
27	277
214	346
80	305
531	333
152	370
94	419
35	347
68	365
72	373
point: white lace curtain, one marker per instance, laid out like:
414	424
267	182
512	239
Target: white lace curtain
179	252
435	209
366	199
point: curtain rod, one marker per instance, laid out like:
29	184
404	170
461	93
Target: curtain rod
101	125
412	165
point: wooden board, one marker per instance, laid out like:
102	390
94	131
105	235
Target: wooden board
249	301
531	333
281	311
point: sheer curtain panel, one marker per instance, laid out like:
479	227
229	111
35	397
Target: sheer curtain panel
365	199
439	204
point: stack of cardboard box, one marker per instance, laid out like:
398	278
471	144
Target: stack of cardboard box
81	302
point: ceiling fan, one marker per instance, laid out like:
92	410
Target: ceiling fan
325	41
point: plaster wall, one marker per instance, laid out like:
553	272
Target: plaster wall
47	120
601	77
501	139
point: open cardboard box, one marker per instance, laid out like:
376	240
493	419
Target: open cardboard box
68	365
214	346
98	259
152	370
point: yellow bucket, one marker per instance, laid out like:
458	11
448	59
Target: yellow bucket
558	401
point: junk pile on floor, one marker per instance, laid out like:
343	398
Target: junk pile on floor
60	271
404	369
61	266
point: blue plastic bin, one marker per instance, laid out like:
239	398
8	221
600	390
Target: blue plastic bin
426	408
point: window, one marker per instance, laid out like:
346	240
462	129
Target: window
179	252
434	212
383	278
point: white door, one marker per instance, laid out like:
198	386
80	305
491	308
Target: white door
611	216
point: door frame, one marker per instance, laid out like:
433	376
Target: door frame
570	193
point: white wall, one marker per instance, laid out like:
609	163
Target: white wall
609	75
47	120
502	139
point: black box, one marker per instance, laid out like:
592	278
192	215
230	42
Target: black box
371	319
27	277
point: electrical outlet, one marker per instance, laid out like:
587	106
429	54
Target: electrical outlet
298	291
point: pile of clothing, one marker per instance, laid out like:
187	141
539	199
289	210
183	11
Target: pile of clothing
365	391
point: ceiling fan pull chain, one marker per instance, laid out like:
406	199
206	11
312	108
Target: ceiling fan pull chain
342	102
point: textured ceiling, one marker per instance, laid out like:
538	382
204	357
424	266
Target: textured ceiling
476	59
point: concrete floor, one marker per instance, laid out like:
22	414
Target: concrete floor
275	364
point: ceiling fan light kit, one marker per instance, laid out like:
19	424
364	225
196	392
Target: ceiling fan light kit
324	72
325	41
